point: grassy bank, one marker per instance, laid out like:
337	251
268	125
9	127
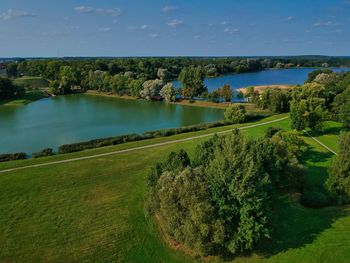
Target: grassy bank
108	94
29	97
93	210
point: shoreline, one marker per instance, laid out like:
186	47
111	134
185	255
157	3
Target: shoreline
261	88
250	107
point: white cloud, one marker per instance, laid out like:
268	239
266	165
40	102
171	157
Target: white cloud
105	29
196	36
230	30
10	14
153	35
84	9
168	8
337	31
144	27
290	18
175	23
225	23
326	24
100	11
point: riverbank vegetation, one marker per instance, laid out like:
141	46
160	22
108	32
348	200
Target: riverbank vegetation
15	93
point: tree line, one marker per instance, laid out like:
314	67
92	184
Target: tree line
125	76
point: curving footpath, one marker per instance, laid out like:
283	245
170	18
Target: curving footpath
136	148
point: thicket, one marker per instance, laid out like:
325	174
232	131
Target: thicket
219	202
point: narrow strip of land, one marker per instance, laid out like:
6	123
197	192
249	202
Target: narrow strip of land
320	143
137	148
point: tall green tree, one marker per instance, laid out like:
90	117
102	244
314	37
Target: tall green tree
69	77
338	181
192	79
308	107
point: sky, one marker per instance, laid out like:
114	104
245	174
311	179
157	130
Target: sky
50	28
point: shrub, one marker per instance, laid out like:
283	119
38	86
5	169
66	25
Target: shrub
271	131
80	146
317	197
338	181
44	152
235	113
12	157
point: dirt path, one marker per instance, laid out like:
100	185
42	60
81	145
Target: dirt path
136	148
320	143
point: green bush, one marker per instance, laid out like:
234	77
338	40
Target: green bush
317	198
44	152
12	157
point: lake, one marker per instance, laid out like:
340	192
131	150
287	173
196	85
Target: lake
66	119
265	77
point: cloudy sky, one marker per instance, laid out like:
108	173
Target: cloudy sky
174	27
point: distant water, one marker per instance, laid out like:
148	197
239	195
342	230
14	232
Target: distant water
72	118
267	77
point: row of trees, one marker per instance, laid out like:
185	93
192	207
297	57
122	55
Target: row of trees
220	201
147	67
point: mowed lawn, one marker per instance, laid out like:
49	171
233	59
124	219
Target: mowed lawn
93	211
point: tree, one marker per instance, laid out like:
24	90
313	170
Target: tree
11	69
275	100
192	80
168	92
226	92
252	95
308	107
8	89
69	77
151	88
341	108
312	75
235	113
54	86
163	74
338	181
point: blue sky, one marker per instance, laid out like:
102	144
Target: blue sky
174	27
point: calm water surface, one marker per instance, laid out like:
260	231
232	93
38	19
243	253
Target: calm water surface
266	77
66	119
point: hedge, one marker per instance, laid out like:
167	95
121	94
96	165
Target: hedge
80	146
96	143
12	157
44	152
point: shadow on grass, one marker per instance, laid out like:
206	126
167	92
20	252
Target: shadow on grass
295	226
332	130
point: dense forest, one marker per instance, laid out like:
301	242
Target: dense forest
146	77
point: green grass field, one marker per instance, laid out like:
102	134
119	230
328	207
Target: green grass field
93	210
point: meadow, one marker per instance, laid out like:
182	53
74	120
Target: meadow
93	210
